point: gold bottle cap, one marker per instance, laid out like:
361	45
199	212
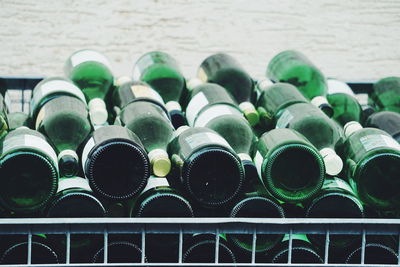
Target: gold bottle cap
250	113
159	160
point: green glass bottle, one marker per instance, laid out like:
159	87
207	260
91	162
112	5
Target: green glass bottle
160	200
18	119
324	133
4	120
120	252
288	165
28	171
150	122
372	160
254	205
91	72
50	88
226	71
375	253
386	94
274	98
335	200
206	166
387	121
293	67
65	121
302	251
200	248
162	72
116	152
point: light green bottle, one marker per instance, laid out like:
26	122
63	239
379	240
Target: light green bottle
386	94
206	166
50	88
18	119
372	160
65	121
91	72
226	71
275	97
162	72
324	133
28	171
150	122
4	127
293	67
288	165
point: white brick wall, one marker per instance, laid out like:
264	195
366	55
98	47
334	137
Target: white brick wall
351	40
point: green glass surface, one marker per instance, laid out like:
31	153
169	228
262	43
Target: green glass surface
373	157
386	94
346	108
293	67
291	168
161	71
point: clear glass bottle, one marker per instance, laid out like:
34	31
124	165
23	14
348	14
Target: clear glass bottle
29	171
115	151
91	72
150	122
319	129
206	166
18	119
293	67
386	94
65	121
372	160
288	165
226	71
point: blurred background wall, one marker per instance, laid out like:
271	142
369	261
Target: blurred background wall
350	40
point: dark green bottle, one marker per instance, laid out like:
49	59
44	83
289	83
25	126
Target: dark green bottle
28	171
50	88
375	253
120	252
206	166
293	67
324	133
162	72
201	249
65	121
91	72
289	166
254	205
150	122
372	160
160	200
387	121
386	94
18	119
274	98
116	152
302	251
226	71
335	200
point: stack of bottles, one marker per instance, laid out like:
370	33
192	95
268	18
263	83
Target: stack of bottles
222	144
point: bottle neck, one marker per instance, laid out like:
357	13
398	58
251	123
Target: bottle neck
333	163
351	127
98	111
159	160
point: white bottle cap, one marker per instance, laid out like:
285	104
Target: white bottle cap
173	105
194	82
264	83
121	80
181	129
333	163
351	127
160	162
97	111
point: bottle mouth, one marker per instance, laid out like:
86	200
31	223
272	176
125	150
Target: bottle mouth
29	180
203	252
76	205
155	206
213	176
294	172
378	180
374	254
68	166
118	170
299	255
256	207
41	254
120	252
